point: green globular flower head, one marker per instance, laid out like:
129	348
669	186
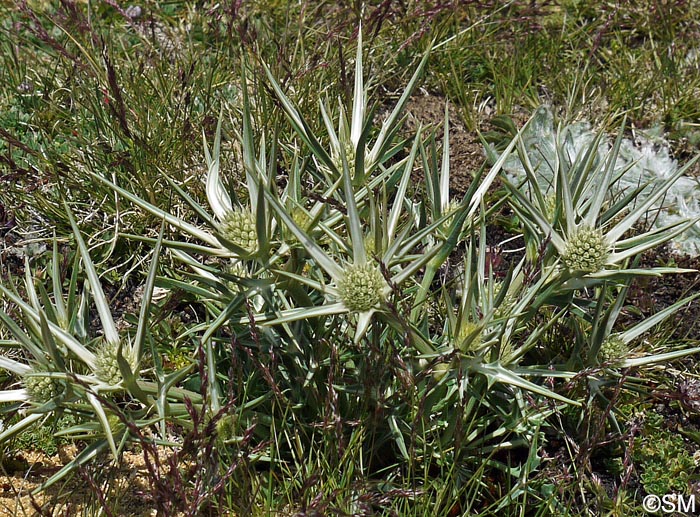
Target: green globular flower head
301	218
467	329
107	365
41	389
507	302
350	156
238	227
586	250
613	349
226	427
451	210
361	289
370	245
236	268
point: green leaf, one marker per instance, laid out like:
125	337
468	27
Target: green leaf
640	328
169	218
108	326
147	297
314	249
495	372
398	437
658	358
20	426
390	124
102	417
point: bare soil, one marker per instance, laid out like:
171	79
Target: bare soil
125	486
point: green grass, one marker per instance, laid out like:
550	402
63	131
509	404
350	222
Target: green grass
343	427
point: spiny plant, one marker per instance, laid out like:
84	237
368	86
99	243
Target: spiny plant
66	367
324	324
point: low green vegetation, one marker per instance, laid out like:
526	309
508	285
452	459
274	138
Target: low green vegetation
226	251
663	457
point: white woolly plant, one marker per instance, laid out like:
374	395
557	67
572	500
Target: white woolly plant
589	223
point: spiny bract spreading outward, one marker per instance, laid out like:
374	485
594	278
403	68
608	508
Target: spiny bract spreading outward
586	251
238	227
361	289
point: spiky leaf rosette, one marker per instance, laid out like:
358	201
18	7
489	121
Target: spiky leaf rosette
361	289
238	227
586	251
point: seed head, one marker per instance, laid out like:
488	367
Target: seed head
613	349
350	156
361	288
107	365
238	227
42	389
586	250
468	328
